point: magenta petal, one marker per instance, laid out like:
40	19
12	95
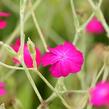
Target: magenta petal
56	50
4	14
56	70
48	59
3	24
38	56
69	67
100	94
17	43
69	46
77	59
2	84
63	69
95	26
16	46
27	58
16	61
2	92
2	89
66	68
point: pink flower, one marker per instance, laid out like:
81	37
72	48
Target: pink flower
95	26
27	56
3	23
99	95
63	60
2	89
4	14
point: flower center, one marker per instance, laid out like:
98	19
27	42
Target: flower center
62	56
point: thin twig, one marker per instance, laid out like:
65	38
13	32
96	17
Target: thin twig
38	27
52	88
76	21
22	8
99	74
13	67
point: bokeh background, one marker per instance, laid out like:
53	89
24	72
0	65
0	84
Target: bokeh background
56	22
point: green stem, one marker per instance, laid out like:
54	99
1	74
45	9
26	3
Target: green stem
103	21
89	106
75	91
28	75
75	38
52	88
10	73
92	4
13	67
32	82
106	73
99	74
37	27
22	37
86	22
51	98
84	101
76	21
8	48
100	2
60	86
94	83
22	8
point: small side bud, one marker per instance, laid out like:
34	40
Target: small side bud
32	51
31	46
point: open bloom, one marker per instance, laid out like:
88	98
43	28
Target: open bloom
2	89
3	23
63	60
95	26
27	56
99	95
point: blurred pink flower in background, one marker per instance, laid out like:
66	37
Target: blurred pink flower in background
4	14
2	89
63	60
95	26
27	56
3	23
99	95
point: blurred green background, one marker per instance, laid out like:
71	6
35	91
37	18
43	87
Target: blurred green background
56	21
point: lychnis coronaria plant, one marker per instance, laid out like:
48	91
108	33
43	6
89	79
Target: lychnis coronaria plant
66	68
64	59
